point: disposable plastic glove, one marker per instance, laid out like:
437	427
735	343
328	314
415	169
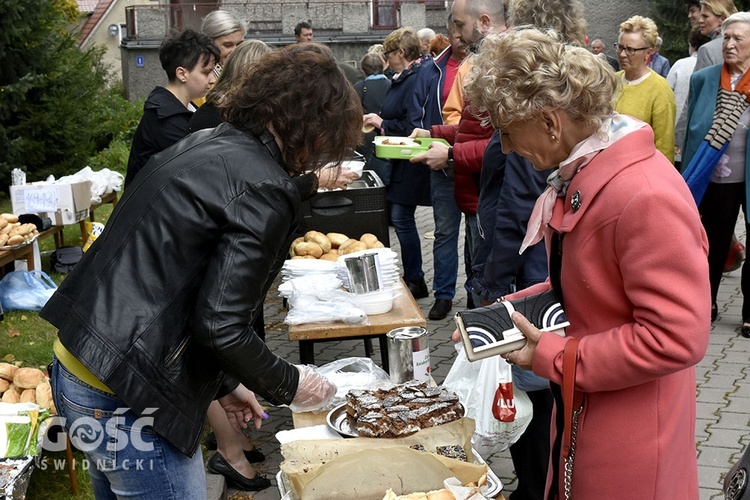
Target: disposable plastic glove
314	391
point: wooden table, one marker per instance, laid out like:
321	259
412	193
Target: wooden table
25	252
405	312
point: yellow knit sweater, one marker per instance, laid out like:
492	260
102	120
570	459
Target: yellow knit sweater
652	101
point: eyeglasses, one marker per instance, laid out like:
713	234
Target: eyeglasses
385	53
628	50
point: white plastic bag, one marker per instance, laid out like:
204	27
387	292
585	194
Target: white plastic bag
336	305
352	373
476	385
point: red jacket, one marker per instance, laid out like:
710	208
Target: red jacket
469	139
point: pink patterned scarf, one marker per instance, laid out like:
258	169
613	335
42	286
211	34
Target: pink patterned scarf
613	129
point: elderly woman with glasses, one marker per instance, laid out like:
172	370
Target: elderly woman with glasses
716	151
639	321
645	94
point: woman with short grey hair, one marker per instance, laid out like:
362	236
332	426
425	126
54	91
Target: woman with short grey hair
225	30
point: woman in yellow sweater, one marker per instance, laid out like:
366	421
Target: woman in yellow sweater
645	94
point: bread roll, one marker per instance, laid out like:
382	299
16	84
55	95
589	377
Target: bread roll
345	244
28	378
369	239
357	246
44	395
319	238
4	384
294	243
10	396
3	222
378	244
10	217
337	239
3	239
7	371
308	248
28	396
16	239
7	229
333	256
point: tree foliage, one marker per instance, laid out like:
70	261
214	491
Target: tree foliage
56	108
670	17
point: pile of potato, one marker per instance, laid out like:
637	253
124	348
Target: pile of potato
316	245
14	233
25	385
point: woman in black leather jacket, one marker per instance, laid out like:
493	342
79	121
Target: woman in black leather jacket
154	321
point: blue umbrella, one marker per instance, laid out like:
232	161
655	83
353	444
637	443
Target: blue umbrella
698	174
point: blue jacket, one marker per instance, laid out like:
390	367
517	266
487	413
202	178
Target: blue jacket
428	91
410	182
509	187
704	87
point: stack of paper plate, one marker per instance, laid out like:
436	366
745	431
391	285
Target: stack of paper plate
296	268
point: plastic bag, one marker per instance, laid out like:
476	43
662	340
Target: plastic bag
335	305
26	290
102	181
485	387
352	373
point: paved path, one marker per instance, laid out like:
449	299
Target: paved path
723	379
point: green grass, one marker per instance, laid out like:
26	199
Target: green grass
27	339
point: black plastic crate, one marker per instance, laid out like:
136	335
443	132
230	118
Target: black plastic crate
359	209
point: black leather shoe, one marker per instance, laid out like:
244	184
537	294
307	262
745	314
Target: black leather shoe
418	289
254	456
714	312
441	308
745	331
218	465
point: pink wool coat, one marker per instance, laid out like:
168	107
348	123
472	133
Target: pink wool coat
635	284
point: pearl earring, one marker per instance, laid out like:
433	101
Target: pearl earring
554	138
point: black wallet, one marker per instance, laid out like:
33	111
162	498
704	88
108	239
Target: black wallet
489	331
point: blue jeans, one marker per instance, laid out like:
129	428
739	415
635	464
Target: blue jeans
405	225
447	224
125	457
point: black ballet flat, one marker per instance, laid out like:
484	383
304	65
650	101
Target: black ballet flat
745	331
218	465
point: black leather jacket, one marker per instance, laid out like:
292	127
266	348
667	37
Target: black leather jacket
160	307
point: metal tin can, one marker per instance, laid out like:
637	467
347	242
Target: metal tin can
409	354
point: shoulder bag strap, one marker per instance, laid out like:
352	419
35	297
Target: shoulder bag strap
572	406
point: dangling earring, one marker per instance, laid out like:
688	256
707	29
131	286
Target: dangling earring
554	138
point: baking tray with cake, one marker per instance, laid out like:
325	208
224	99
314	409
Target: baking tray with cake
402	148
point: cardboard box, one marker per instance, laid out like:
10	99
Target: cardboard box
62	203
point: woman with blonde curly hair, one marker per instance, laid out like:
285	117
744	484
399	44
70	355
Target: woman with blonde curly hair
639	318
564	16
642	94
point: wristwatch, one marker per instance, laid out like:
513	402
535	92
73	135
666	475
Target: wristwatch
451	163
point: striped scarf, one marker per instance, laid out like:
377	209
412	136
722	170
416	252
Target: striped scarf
730	104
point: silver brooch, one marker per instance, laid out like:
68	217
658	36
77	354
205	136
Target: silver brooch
575	201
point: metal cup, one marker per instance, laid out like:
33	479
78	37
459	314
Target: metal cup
408	354
372	271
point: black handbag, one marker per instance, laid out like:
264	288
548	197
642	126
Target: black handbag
735	483
63	259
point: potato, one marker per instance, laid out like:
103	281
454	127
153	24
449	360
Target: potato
357	246
10	396
337	239
28	378
308	248
319	238
4	384
291	247
7	371
28	396
10	217
346	244
369	239
333	256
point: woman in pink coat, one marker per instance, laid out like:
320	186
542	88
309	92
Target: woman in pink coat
633	271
